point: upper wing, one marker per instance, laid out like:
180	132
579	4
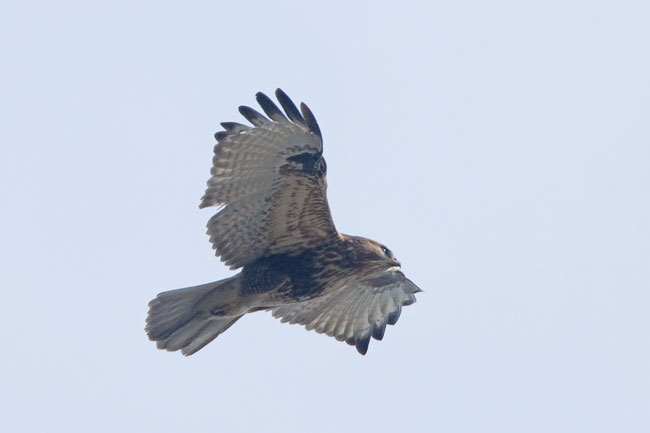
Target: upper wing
355	312
271	179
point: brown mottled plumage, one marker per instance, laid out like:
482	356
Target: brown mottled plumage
275	223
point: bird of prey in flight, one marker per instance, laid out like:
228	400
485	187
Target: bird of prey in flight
274	222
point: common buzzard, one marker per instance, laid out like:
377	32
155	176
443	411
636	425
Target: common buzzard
274	222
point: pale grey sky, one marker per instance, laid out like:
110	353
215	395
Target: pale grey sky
501	149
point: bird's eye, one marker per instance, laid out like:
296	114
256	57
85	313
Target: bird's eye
386	251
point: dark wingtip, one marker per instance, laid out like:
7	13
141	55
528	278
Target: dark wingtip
229	126
310	119
378	331
392	317
221	135
362	344
252	115
410	300
289	107
270	108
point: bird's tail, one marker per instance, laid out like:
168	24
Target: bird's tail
188	319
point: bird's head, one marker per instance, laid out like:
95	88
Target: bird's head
374	255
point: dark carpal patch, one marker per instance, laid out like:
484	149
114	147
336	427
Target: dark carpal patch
312	163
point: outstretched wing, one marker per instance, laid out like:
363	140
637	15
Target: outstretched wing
355	312
270	178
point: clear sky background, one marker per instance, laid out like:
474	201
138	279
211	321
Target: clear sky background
501	149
